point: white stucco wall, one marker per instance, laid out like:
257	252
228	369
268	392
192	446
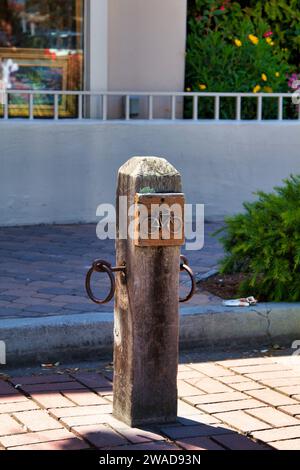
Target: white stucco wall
60	171
146	44
146	51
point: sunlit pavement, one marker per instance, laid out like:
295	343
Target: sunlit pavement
239	403
226	401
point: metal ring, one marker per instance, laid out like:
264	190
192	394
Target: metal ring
186	268
100	266
184	260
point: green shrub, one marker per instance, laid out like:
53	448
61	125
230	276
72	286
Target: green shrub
215	61
264	243
229	50
220	65
283	17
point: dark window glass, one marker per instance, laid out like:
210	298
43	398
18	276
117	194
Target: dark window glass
41	47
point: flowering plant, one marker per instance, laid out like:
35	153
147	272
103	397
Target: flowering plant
227	51
283	17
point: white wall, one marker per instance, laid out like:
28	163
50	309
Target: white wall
146	51
60	171
146	44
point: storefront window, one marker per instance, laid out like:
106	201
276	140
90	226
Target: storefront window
41	48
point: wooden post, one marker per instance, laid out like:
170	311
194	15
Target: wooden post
146	308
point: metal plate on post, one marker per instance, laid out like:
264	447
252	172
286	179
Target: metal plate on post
159	219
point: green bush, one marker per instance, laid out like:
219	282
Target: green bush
231	50
214	60
264	243
283	17
220	65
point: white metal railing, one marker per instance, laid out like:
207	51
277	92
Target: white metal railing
84	96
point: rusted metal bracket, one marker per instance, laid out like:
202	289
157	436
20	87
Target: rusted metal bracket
184	266
102	266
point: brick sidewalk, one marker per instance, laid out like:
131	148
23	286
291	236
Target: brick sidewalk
43	268
234	404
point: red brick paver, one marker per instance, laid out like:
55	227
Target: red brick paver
271	397
25	405
9	426
237	442
292	444
35	437
199	443
100	436
51	400
84	398
242	421
293	410
80	411
37	420
232	404
215	398
278	434
65	444
273	417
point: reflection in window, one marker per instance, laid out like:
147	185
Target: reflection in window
41	47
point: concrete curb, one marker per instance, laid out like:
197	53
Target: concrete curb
90	335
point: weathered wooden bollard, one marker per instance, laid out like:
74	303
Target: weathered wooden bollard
146	308
146	292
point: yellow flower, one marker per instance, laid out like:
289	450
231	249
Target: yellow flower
202	86
253	39
264	77
272	43
269	40
277	74
268	89
238	43
256	89
187	89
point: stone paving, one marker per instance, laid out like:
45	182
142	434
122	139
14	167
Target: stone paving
243	403
43	268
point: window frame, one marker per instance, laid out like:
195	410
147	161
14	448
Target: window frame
95	45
